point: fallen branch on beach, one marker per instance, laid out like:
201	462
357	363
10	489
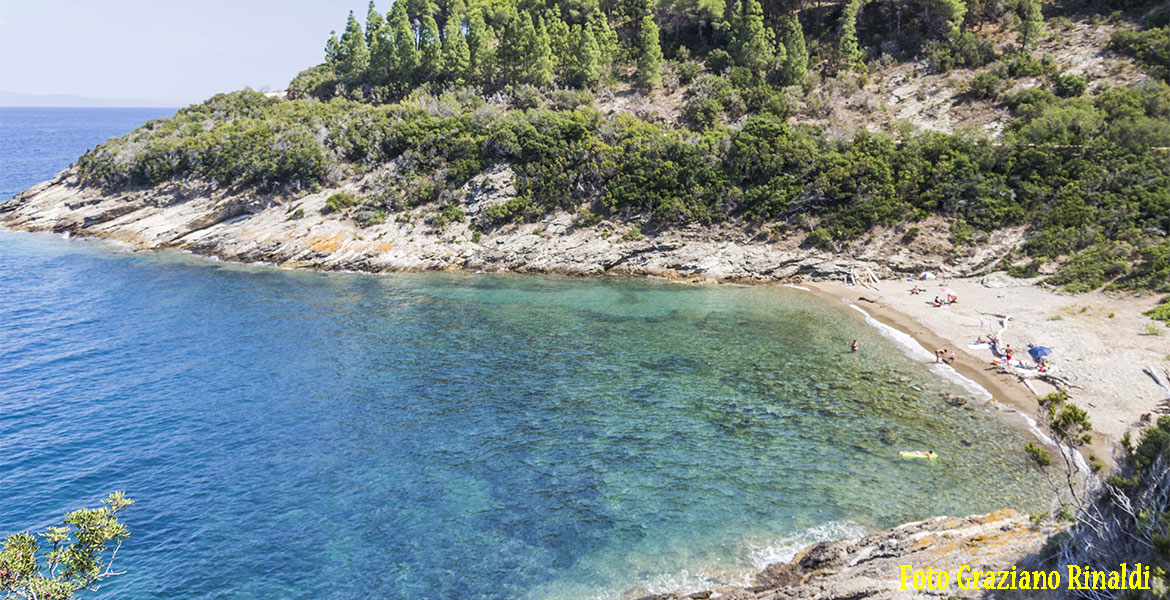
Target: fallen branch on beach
1149	370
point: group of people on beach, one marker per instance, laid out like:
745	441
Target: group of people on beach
951	299
938	302
945	356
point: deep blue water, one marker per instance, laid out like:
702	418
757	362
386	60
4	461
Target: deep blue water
37	143
302	435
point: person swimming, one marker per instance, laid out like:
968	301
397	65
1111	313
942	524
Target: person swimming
853	346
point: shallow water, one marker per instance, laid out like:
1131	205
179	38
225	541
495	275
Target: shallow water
300	435
461	436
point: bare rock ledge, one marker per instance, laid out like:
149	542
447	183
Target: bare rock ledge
869	568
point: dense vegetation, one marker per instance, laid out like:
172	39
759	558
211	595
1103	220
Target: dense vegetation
446	91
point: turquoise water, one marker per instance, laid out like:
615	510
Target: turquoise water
301	435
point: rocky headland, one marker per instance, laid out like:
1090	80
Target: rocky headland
304	233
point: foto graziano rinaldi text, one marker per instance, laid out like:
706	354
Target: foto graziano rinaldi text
1074	577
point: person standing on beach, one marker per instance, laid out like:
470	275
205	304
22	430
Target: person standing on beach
854	346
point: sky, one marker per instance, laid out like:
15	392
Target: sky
166	52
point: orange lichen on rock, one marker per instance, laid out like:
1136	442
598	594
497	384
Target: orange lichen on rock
322	243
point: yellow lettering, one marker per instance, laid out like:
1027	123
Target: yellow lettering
1074	578
964	584
907	572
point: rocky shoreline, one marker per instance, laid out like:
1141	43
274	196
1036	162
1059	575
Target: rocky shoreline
304	233
869	567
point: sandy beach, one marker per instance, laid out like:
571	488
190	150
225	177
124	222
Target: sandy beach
1100	342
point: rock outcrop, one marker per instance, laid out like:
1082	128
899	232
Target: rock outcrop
869	568
302	233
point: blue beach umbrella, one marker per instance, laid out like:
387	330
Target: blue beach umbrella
1039	352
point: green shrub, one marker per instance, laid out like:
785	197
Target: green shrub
820	239
986	85
1093	267
687	71
1039	455
1161	312
1068	86
718	61
339	202
587	218
1151	48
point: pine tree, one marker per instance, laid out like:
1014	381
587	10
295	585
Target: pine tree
955	12
607	38
479	47
1031	23
354	56
849	52
374	24
585	69
402	34
430	48
754	43
541	73
562	45
333	51
649	54
381	45
512	51
794	69
456	57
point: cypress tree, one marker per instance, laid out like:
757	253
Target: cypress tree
479	47
541	73
794	69
430	48
405	54
354	55
456	57
754	43
649	54
585	70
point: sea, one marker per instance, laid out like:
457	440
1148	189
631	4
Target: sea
292	434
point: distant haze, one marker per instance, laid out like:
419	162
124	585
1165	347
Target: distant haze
15	99
158	52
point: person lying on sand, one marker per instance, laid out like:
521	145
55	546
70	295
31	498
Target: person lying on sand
951	298
917	290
